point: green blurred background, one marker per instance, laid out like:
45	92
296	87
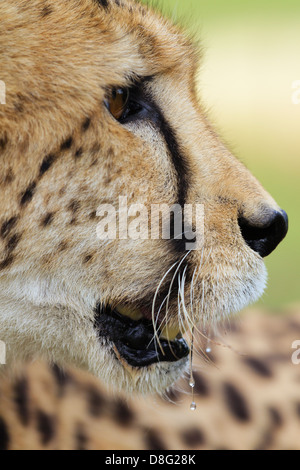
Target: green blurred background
251	59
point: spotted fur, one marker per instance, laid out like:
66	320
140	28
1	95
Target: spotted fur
246	391
63	154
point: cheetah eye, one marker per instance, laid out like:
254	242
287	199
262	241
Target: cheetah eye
122	104
117	101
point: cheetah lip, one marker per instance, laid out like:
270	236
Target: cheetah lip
135	340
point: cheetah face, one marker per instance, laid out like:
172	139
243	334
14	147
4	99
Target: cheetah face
108	110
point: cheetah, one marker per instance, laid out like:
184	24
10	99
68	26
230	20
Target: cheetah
101	103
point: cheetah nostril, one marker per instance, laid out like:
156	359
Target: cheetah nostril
264	237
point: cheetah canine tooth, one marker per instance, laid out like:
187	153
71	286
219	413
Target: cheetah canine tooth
170	333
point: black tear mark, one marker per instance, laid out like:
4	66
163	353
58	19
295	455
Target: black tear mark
21	398
7	226
236	403
47	163
46	426
28	194
4	436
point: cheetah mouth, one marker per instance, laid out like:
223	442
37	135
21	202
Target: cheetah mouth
135	340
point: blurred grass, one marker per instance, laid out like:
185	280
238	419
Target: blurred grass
251	58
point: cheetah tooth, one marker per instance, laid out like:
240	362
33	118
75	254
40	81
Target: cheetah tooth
134	314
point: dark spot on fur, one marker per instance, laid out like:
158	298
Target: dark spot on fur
297	409
266	440
7	226
78	152
122	413
28	194
47	163
66	144
45	426
4	436
9	177
21	398
87	258
61	376
192	437
258	366
80	437
47	220
96	148
86	124
93	215
62	246
201	385
94	162
73	206
47	10
276	417
103	3
96	401
236	403
6	262
13	242
153	440
3	142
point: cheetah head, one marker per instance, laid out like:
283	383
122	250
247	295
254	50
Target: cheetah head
101	115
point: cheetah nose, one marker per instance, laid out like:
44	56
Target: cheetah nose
265	233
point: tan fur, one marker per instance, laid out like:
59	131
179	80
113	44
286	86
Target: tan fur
58	59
